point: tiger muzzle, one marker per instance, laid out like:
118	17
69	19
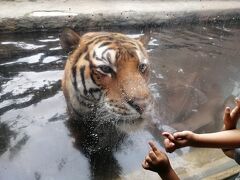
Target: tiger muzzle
140	107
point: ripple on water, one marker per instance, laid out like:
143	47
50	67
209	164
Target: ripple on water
194	72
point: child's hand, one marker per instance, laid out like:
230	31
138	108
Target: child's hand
169	142
156	160
178	140
231	117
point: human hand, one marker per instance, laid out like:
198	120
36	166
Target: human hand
231	117
156	160
178	140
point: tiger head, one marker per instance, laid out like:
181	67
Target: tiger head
107	73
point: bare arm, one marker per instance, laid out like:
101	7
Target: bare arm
171	175
228	140
223	139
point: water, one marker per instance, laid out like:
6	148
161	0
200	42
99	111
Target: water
194	76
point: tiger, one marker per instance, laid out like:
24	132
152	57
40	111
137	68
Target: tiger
106	74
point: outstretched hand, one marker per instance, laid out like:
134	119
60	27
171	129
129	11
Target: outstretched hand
231	117
178	140
156	160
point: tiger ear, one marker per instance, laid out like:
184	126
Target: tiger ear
145	38
69	39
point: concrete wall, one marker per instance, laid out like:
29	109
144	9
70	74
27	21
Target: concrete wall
43	15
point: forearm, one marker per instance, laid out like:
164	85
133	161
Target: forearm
223	139
170	175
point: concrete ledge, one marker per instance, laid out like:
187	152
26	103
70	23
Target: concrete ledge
227	173
42	15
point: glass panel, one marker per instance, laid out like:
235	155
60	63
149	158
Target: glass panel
194	76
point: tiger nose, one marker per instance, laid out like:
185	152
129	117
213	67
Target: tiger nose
139	107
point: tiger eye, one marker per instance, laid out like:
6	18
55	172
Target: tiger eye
106	69
142	68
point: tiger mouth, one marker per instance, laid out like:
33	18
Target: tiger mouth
121	119
118	114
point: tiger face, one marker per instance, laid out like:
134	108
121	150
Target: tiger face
106	73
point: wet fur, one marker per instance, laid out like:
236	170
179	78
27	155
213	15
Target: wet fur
122	94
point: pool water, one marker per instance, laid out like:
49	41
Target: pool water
195	74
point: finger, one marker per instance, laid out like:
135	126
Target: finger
169	146
237	101
153	146
226	115
145	165
148	159
168	135
168	143
235	113
152	155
